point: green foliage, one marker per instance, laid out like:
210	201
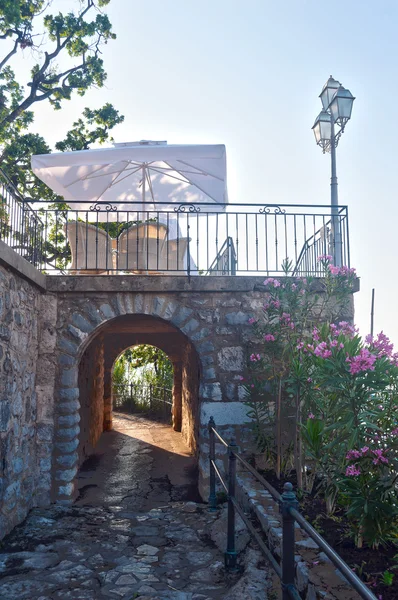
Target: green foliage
140	368
279	381
81	137
72	39
72	36
342	394
387	578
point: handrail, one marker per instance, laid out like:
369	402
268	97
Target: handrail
228	245
288	505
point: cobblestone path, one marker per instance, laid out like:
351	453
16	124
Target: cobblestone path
134	532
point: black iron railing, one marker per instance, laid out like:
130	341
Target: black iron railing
205	239
288	505
147	398
21	227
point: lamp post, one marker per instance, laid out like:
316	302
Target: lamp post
329	125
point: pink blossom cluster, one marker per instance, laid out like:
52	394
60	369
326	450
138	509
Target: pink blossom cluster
352	471
381	345
379	457
344	328
354	454
322	350
272	282
364	361
365	451
271	303
269	337
342	271
252	320
325	257
255	357
311	415
286	319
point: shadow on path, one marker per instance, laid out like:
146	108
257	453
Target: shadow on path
141	465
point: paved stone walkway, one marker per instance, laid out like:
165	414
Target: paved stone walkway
134	532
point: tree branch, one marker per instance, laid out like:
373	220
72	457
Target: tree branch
11	53
37	79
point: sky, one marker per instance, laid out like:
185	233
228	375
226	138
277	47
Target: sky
248	75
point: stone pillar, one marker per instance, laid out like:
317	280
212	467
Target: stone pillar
177	396
108	399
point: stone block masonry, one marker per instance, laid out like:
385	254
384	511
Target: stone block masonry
57	348
27	370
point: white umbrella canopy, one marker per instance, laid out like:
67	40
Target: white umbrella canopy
138	175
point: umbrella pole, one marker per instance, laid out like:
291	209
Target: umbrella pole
143	213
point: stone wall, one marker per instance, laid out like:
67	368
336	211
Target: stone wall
212	315
52	327
27	364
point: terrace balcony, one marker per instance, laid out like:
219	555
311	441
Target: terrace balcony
191	240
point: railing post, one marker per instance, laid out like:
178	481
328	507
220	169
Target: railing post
231	554
212	457
288	500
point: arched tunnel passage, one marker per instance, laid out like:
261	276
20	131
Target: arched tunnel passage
100	432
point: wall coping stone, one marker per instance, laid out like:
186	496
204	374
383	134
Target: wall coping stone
9	258
151	284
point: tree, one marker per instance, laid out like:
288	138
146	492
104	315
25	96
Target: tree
73	40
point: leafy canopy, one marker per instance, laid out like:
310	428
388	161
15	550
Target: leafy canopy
65	52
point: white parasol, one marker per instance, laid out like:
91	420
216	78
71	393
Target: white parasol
137	176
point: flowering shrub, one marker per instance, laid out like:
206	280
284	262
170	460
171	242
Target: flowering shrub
341	393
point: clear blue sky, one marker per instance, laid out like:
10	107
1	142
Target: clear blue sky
248	74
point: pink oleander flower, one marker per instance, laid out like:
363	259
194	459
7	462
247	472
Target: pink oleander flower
302	292
252	385
311	415
322	350
241	378
343	328
334	270
294	287
276	303
300	345
315	334
343	271
353	454
394	431
273	282
364	361
333	343
269	337
365	449
252	320
255	357
379	457
352	471
309	380
325	257
381	345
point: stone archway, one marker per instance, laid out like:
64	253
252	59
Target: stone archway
95	375
85	399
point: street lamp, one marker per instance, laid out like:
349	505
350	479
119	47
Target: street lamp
329	125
